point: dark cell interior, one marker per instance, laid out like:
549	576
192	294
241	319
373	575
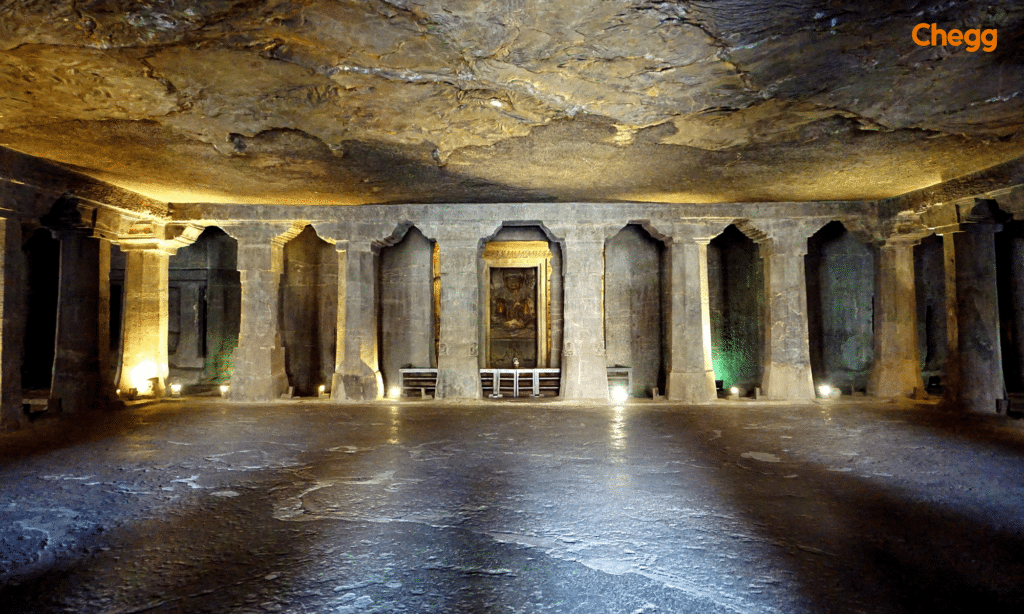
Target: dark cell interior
840	273
736	287
42	255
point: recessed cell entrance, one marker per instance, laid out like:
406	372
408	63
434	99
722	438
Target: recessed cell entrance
518	275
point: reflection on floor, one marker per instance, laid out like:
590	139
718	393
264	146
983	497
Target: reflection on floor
302	507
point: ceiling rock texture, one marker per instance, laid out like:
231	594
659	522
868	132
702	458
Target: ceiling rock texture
345	102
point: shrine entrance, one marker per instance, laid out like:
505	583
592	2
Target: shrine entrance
518	320
518	317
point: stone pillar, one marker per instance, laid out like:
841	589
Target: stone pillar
458	362
691	377
951	384
978	363
145	318
106	361
12	324
584	373
76	355
787	357
259	373
357	369
897	367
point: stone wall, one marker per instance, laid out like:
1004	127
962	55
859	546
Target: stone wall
406	306
308	311
632	303
736	292
840	274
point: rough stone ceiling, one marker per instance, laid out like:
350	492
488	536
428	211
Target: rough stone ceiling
509	100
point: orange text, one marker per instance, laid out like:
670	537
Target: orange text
974	38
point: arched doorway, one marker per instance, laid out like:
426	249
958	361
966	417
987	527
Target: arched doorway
308	312
840	273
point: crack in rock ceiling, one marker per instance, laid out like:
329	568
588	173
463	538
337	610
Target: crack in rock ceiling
509	100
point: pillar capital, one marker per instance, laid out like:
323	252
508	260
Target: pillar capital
598	233
451	234
264	233
696	231
901	241
356	246
788	237
973	215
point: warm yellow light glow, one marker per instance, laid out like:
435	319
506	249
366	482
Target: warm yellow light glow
825	391
322	389
620	394
734	391
497	104
176	389
224	390
142	374
395	393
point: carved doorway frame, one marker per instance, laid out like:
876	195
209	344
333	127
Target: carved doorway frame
522	255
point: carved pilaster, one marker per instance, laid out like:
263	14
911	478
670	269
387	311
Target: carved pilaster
12	323
691	376
458	366
975	367
787	358
584	373
357	371
897	366
259	373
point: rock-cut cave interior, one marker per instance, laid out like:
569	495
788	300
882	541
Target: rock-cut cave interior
511	306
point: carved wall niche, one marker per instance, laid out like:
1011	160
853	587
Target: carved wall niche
517	277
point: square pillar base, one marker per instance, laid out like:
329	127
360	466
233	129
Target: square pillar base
259	375
786	382
691	387
458	379
361	385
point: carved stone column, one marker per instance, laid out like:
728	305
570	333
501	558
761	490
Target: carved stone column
584	373
897	367
458	362
76	355
691	377
978	363
357	369
951	383
259	373
107	366
145	317
12	323
787	357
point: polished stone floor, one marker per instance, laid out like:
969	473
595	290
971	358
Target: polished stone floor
309	507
